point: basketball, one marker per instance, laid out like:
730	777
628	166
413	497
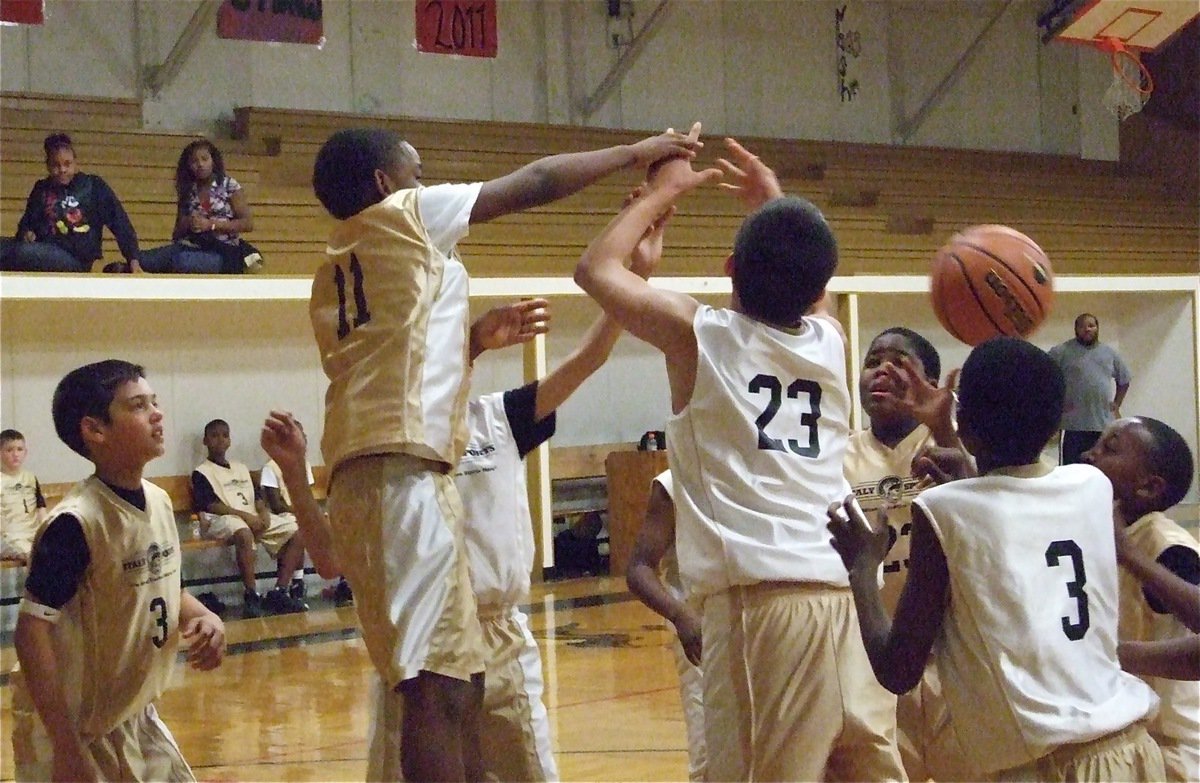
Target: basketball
989	281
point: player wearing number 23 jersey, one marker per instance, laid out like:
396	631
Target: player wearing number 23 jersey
757	454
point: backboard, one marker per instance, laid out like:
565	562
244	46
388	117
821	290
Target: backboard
1140	25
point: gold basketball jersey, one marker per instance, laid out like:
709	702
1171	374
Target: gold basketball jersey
881	477
390	312
18	500
117	638
1177	724
233	485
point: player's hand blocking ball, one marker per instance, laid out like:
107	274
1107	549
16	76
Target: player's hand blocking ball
989	281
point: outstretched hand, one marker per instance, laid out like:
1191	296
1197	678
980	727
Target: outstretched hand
283	439
751	180
928	403
677	174
861	545
666	146
510	324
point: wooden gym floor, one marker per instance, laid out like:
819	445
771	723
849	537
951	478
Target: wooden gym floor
291	700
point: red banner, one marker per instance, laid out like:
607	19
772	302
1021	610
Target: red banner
466	27
21	11
283	21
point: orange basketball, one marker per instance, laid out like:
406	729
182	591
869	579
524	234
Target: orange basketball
989	281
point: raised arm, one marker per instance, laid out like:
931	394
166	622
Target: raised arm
284	441
558	176
661	318
593	352
655	537
898	649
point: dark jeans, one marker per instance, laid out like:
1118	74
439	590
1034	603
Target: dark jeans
180	258
1074	443
18	256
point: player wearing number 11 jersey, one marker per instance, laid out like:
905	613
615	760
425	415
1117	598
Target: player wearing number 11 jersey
389	310
755	447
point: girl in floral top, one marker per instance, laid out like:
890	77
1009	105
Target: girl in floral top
212	214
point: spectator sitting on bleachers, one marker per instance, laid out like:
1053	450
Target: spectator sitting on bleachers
211	214
64	217
232	510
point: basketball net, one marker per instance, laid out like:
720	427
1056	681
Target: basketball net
1132	83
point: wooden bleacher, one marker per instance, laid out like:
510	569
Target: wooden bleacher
891	207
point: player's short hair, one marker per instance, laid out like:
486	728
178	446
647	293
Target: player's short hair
783	257
55	142
929	356
1011	396
88	391
1079	319
212	425
8	436
1171	459
344	172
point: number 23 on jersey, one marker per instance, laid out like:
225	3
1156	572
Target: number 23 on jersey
799	390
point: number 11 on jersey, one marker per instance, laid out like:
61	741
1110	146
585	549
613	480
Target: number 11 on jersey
362	314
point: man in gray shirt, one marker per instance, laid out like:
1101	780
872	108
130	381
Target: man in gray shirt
1090	369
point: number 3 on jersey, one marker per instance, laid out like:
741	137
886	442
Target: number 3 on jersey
773	386
361	313
1069	549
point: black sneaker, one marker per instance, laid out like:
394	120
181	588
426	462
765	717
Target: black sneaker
252	605
277	601
211	602
299	592
117	267
342	594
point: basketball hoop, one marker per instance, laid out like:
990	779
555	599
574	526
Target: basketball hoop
1132	83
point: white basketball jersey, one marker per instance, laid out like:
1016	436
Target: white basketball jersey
272	476
232	485
1028	649
116	639
496	523
756	456
881	477
1178	718
390	311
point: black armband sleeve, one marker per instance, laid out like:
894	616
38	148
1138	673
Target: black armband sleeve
58	561
520	406
1181	561
203	495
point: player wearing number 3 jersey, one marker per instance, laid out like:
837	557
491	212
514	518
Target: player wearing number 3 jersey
104	616
755	447
1012	585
